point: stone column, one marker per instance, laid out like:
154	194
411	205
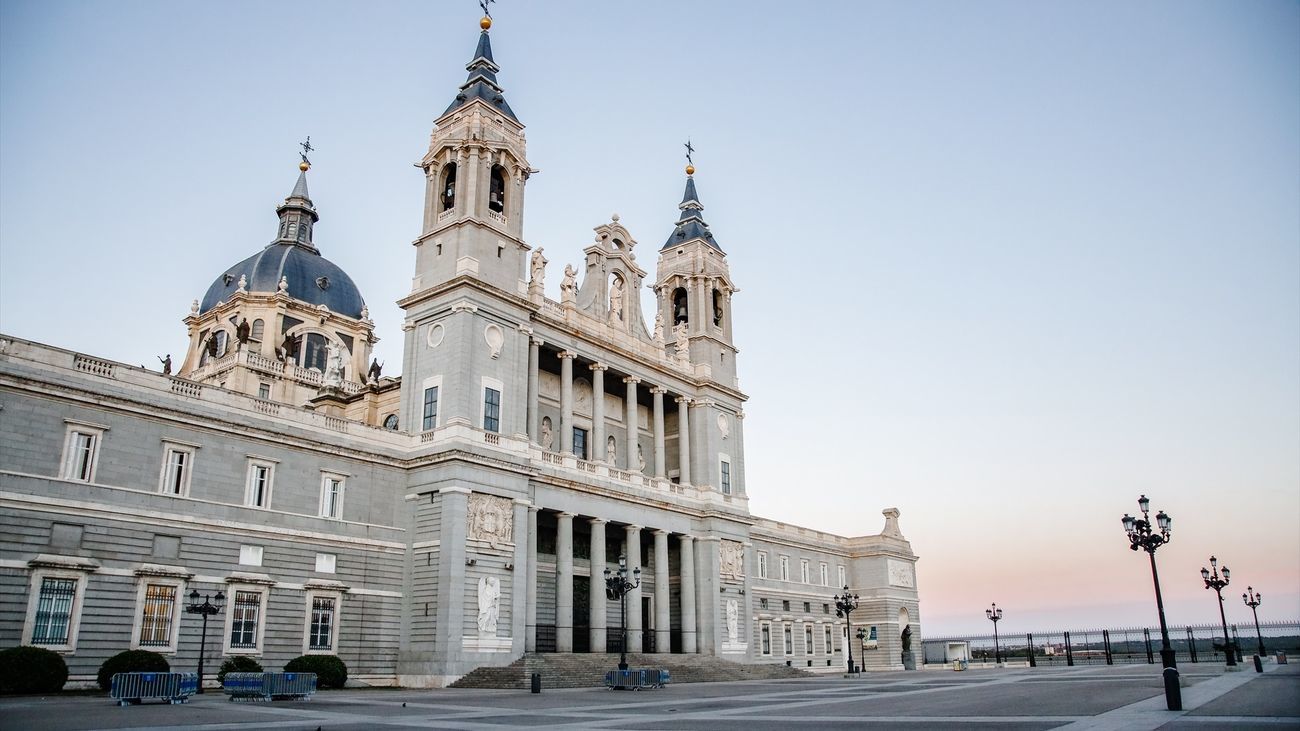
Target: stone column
597	595
534	419
689	643
451	569
663	624
520	576
632	550
566	402
596	446
530	619
684	440
630	417
658	392
706	595
564	583
430	196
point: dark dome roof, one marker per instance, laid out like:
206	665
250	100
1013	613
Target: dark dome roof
312	278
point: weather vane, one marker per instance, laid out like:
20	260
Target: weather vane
306	148
689	150
484	4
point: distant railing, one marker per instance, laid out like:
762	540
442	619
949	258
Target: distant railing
186	388
94	365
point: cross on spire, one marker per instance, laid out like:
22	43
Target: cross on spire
306	148
689	151
484	4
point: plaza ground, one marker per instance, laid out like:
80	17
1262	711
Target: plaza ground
1103	697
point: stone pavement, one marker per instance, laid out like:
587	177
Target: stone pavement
1022	699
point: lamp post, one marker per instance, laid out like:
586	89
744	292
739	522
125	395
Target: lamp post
209	606
1142	538
1253	601
616	587
994	615
844	605
1212	581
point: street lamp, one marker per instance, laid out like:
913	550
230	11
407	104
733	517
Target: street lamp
1253	601
208	607
1212	581
1142	538
844	605
994	614
616	587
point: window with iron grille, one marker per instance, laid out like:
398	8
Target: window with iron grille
789	640
430	408
321	633
54	611
243	625
159	610
766	632
491	410
807	639
830	645
762	603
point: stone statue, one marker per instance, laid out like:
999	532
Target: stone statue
907	638
489	605
211	345
640	458
659	327
376	368
731	559
733	620
569	285
611	451
537	265
288	349
548	439
243	331
682	344
616	300
166	364
333	365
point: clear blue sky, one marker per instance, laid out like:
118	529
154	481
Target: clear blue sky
1004	265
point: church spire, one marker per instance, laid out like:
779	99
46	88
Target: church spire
297	214
691	225
482	81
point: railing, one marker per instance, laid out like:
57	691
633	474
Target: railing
335	423
266	407
446	215
586	466
93	365
618	474
493	439
426	437
553	458
498	217
186	388
262	363
306	375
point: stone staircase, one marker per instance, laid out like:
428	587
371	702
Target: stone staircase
588	670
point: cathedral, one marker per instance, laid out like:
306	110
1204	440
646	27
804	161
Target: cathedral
457	515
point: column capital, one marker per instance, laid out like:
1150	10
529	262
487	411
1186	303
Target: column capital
631	380
705	402
598	367
661	532
683	400
685	537
658	389
525	502
597	521
570	516
632	528
566	354
524	329
534	340
740	415
534	509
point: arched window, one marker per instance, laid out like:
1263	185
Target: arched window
221	336
258	328
390	422
680	311
717	307
313	352
304	232
447	191
497	190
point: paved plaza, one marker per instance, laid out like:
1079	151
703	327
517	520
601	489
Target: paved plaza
1120	697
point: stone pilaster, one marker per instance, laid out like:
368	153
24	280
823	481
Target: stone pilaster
663	623
596	448
596	598
658	393
451	570
566	402
530	618
564	583
521	578
630	418
534	418
684	440
689	638
708	622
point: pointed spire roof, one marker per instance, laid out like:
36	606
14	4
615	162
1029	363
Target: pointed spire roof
691	225
482	81
297	214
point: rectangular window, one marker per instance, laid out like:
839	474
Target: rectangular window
762	603
807	607
80	453
803	571
830	645
331	496
826	609
843	581
765	632
430	408
785	568
320	635
785	605
789	639
264	390
54	612
491	410
177	466
762	564
580	443
807	639
243	626
258	491
826	575
157	615
326	563
726	477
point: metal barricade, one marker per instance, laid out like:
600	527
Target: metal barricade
636	679
138	687
269	686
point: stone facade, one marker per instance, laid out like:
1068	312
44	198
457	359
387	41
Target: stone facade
456	516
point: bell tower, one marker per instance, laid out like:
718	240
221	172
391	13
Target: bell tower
694	289
475	172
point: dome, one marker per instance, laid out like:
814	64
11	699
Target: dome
312	278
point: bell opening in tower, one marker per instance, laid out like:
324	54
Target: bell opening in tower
448	197
717	307
680	312
497	190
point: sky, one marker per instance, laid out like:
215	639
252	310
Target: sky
1003	265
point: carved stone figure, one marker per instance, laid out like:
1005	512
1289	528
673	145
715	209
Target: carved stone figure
537	264
733	620
569	285
659	327
616	300
166	364
194	307
288	349
489	605
731	559
548	439
907	638
283	286
611	451
376	368
640	458
333	365
211	345
490	519
243	331
683	345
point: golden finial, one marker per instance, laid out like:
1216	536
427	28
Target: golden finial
485	22
305	165
690	169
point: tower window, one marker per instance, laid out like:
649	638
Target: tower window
491	410
447	196
259	329
430	409
717	307
680	310
497	190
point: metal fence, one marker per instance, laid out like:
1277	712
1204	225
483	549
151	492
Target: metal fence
1122	645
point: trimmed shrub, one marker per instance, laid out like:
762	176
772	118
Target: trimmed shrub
331	672
238	664
32	670
131	661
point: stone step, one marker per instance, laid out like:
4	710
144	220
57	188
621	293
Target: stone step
588	670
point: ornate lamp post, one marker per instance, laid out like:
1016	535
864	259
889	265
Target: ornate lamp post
616	587
994	615
844	605
1212	581
1142	538
1253	601
208	607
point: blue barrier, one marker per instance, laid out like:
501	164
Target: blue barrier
636	679
269	686
138	687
